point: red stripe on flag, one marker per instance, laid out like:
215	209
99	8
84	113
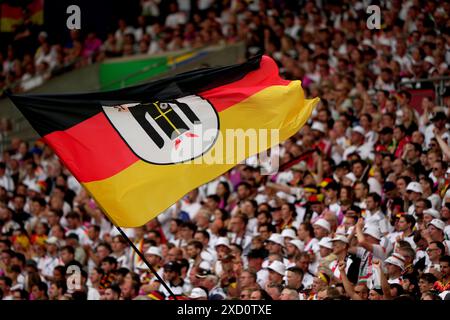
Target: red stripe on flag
9	12
92	150
228	95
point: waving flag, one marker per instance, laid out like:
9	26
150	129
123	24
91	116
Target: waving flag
138	150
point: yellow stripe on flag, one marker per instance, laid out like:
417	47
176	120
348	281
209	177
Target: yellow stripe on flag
142	191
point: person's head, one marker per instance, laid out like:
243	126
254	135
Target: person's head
108	264
67	254
112	293
373	201
194	248
435	250
439	168
436	229
238	223
444	262
426	282
172	271
289	294
39	290
375	294
247	279
340	245
406	223
305	231
321	228
274	289
294	278
361	190
362	291
302	261
260	294
277	272
321	281
57	289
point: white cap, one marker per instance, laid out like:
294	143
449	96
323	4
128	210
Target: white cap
277	238
432	212
298	244
154	250
326	243
319	126
360	130
278	267
288	233
52	240
397	260
198	293
415	187
384	42
340	237
205	265
351	176
438	224
373	231
429	59
323	223
223	241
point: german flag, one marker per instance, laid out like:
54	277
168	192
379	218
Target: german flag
138	150
11	13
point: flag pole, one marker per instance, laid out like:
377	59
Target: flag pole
146	262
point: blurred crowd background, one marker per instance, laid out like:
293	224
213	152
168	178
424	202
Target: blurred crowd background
363	213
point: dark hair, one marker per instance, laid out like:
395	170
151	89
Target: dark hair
309	228
445	259
190	225
375	196
69	249
8	280
204	233
196	244
296	270
61	284
440	246
428	277
110	260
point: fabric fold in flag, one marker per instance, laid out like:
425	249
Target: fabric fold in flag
138	150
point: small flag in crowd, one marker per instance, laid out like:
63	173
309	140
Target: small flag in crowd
138	150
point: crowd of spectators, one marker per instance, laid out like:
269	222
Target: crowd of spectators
366	216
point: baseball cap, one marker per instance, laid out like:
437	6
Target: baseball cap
359	129
288	233
276	238
389	186
386	130
415	187
298	243
326	243
323	223
223	241
397	260
373	231
439	116
198	293
278	267
432	212
154	250
172	266
341	238
319	126
438	224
